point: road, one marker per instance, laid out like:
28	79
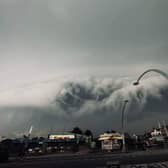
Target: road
91	160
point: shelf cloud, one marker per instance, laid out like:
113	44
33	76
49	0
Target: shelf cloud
95	103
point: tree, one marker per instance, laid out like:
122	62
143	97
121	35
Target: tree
77	130
35	139
88	133
41	139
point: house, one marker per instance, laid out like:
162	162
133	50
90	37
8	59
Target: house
110	141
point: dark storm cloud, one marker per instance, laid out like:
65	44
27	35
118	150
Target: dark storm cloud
97	101
107	95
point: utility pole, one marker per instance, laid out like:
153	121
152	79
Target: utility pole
122	125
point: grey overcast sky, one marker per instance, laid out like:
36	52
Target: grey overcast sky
41	40
44	37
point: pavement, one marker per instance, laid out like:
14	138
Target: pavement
151	165
143	159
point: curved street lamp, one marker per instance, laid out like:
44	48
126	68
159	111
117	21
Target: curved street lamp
122	125
150	70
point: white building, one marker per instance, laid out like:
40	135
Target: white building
110	141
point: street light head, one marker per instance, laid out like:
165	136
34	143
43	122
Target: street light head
126	101
136	83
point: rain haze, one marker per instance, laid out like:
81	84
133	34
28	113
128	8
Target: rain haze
67	63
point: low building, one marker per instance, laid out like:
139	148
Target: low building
157	136
111	141
156	132
66	141
67	136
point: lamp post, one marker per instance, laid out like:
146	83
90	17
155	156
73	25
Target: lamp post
122	125
165	75
150	70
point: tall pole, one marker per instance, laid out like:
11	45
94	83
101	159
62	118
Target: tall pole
165	75
122	125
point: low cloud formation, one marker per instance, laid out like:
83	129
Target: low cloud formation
92	103
106	95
